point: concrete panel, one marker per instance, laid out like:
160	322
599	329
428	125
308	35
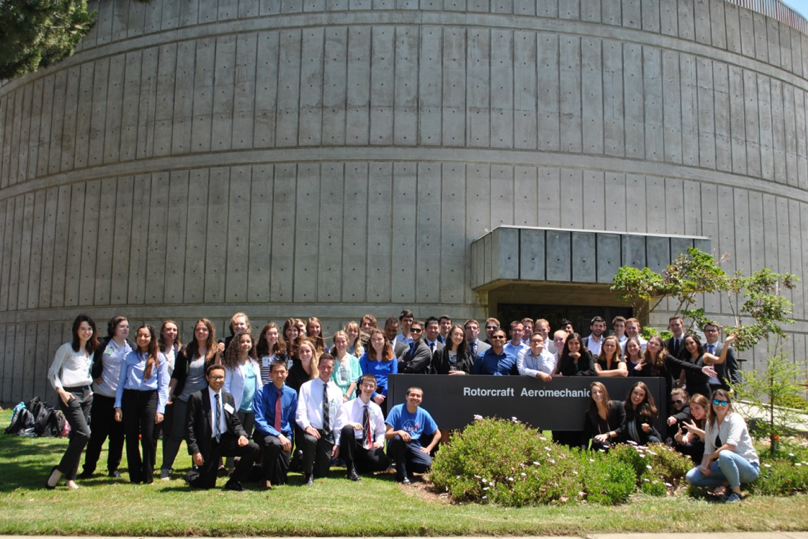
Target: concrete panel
757	239
723	146
453	250
701	12
195	251
743	256
42	357
592	92
183	98
655	204
614	201
478	98
584	257
164	100
570	94
228	9
223	92
43	147
49	237
311	87
800	135
19	366
572	214
478	204
790	136
692	209
594	200
559	256
718	25
502	85
690	119
549	197
614	110
238	237
57	124
502	196
525	124
751	114
7	219
608	257
766	127
131	102
657	253
680	246
803	211
686	14
532	255
710	217
272	7
89	243
203	90
635	203
505	254
73	275
671	107
12	147
569	9
148	93
60	259
726	239
307	225
652	90
379	232
406	93
260	232
669	17
120	19
525	200
590	11
171	15
25	251
520	7
5	140
382	92
547	8
773	38
358	100
292	6
208	12
784	40
25	132
650	16
488	258
674	206
634	102
706	114
737	113
97	114
266	85
761	37
189	13
334	86
354	239
796	51
104	253
632	14
611	12
778	133
428	234
548	77
139	245
405	184
35	267
135	22
6	362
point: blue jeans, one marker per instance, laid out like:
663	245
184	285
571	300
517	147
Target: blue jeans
730	468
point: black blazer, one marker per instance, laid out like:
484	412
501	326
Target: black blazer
198	432
696	381
593	424
586	365
399	348
416	361
440	362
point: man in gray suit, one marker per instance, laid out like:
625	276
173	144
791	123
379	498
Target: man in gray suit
728	370
476	347
417	358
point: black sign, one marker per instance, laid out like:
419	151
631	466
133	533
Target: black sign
559	404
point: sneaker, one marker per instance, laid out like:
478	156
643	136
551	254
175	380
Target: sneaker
734	497
165	475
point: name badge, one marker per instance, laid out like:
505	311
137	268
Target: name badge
228	407
265	361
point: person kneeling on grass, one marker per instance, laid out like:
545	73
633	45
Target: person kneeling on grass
406	424
360	424
214	431
729	457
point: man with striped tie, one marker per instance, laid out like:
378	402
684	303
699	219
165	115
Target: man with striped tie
317	406
360	424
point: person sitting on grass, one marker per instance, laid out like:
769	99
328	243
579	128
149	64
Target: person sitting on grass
406	425
729	456
360	424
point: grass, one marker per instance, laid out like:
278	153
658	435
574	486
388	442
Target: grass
335	506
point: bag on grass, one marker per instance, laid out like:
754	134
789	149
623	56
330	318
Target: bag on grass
22	424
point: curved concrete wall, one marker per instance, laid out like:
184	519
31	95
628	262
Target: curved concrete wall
337	157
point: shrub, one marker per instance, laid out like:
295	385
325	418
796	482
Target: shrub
784	475
658	469
606	481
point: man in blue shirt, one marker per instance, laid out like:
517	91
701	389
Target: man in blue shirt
515	345
275	406
495	361
406	425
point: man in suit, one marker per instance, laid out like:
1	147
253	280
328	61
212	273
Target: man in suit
475	346
432	335
728	370
417	359
675	345
391	332
213	431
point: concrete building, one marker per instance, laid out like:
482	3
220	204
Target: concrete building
337	157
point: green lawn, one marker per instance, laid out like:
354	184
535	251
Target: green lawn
376	506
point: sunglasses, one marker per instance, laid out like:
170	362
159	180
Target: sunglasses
717	402
498	336
416	330
678	402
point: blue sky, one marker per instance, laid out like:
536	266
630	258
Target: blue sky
800	6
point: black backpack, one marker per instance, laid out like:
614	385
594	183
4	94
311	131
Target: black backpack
22	424
56	423
40	411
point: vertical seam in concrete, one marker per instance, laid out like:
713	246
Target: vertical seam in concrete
370	87
347	81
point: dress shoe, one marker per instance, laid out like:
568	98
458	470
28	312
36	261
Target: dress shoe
84	475
233	485
405	481
309	480
353	476
115	473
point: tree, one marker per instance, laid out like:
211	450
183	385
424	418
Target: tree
757	297
36	33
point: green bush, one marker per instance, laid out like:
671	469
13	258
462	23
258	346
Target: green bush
658	469
783	475
606	481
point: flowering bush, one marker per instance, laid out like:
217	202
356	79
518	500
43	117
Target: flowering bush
783	476
658	468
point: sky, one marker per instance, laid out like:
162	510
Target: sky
800	6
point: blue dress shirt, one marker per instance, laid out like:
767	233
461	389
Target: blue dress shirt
264	408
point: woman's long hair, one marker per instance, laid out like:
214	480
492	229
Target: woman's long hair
262	348
462	348
657	363
290	345
702	401
387	350
210	343
92	342
152	351
593	406
722	395
160	340
231	355
647	408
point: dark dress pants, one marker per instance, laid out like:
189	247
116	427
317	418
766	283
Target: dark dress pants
205	475
103	425
316	454
138	409
77	414
276	460
352	452
408	457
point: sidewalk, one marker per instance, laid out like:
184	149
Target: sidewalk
762	414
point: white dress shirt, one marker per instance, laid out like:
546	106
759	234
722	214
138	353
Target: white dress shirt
213	404
529	365
594	345
354	412
310	404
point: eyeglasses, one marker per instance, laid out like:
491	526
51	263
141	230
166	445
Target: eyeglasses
498	337
216	378
678	402
416	330
717	402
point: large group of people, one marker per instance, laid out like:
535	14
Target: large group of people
292	398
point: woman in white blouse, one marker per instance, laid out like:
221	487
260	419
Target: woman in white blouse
70	376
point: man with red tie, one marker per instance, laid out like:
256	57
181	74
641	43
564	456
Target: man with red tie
275	407
360	423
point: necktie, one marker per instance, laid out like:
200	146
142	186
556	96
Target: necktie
217	419
711	348
278	411
366	429
432	347
474	348
326	414
412	347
